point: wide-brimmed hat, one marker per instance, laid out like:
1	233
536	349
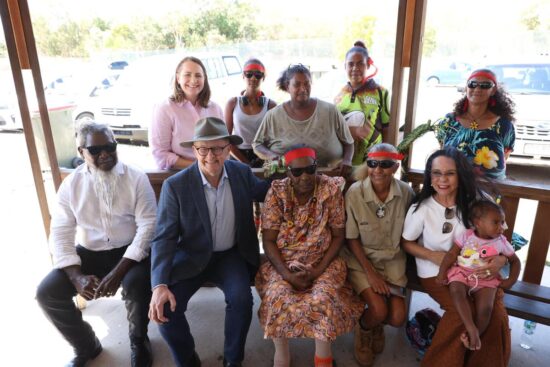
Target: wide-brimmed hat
211	128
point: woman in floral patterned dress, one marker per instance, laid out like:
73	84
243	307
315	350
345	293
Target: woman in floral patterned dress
481	125
303	285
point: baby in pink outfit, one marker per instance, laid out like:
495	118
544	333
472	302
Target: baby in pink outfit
461	265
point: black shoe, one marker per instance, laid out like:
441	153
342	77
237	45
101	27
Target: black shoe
229	364
83	356
142	355
195	361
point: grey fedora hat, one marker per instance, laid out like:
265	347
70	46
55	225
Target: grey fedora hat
211	128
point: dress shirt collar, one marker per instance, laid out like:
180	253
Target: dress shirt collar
205	181
370	196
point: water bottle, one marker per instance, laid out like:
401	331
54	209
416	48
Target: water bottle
526	341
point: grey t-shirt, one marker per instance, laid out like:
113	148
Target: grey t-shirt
325	131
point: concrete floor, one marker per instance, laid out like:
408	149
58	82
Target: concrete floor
206	312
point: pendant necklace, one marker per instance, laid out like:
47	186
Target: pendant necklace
381	211
474	125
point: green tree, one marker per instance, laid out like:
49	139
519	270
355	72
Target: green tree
360	28
429	42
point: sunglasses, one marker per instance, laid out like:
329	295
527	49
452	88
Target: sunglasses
96	149
447	226
473	84
256	74
203	151
297	172
371	163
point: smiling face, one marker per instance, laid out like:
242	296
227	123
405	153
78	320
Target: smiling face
104	160
211	164
356	67
191	80
444	176
478	95
299	88
381	177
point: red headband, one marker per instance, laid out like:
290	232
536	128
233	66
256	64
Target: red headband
299	153
485	74
254	67
391	155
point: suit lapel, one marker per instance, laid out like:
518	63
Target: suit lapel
236	186
200	201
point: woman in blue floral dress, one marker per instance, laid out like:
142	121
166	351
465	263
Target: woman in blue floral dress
481	125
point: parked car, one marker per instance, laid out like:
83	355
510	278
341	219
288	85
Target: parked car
445	73
128	106
529	85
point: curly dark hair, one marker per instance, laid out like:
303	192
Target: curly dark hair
469	186
284	79
504	106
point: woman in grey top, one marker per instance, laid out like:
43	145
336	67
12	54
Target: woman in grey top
304	120
245	112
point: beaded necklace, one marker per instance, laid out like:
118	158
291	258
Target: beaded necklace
290	215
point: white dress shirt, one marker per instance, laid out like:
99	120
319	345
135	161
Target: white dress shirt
221	211
76	218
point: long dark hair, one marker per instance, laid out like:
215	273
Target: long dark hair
468	184
501	105
179	96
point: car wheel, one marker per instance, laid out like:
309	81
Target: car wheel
432	81
84	117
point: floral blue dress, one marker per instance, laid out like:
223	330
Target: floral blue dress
485	148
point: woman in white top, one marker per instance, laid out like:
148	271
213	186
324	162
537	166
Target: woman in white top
246	112
438	215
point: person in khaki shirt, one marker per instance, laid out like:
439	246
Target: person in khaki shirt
376	206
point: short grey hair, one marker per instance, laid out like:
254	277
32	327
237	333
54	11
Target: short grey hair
361	172
383	147
89	128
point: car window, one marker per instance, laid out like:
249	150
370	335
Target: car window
523	78
232	65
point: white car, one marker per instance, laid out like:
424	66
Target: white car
128	106
529	86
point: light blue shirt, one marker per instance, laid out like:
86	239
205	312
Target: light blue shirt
221	212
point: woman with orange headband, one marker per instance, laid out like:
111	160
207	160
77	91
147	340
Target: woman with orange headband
245	113
363	102
481	125
376	205
303	286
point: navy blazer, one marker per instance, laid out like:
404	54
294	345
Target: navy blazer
182	245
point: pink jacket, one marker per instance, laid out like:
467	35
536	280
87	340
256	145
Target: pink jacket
174	123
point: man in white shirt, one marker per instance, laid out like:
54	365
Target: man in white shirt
107	209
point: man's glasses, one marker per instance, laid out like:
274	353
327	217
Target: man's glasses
448	226
215	150
371	163
297	172
256	74
96	149
473	84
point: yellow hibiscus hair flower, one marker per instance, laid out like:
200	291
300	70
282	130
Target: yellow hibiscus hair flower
486	158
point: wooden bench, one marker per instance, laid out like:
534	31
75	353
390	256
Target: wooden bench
527	299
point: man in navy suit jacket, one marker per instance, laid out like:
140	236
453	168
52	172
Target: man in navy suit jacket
205	232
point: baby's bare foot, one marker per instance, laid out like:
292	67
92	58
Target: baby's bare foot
474	340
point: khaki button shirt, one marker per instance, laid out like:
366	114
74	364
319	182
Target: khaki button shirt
380	237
